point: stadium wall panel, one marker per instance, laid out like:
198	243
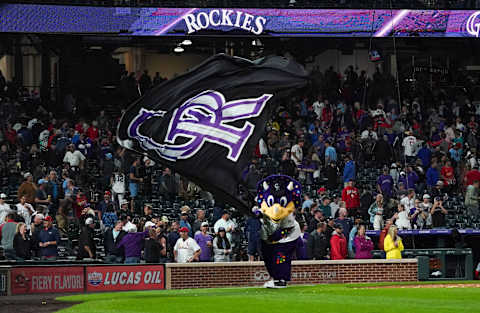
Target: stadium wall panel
243	274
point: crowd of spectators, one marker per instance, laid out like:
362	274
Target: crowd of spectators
66	182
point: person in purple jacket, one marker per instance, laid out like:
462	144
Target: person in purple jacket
385	184
204	240
132	243
410	179
301	250
363	244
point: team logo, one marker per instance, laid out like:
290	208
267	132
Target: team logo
225	17
206	117
281	258
473	26
95	278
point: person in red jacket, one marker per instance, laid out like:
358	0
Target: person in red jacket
92	131
338	244
472	176
351	196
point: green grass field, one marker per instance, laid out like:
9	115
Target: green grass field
351	298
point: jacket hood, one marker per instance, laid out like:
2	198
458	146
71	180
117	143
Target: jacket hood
334	233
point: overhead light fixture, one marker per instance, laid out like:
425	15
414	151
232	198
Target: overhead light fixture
186	42
257	43
178	49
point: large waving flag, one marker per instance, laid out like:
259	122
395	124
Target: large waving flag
206	123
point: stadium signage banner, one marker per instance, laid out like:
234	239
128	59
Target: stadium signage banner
37	18
112	278
27	280
224	17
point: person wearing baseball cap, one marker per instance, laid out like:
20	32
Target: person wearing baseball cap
222	247
101	207
226	223
49	238
42	201
338	244
86	242
4	208
197	224
186	249
321	191
27	188
124	209
204	240
185	223
149	224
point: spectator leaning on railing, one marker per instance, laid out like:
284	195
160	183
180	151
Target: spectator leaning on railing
338	244
363	244
393	244
7	231
186	249
221	247
317	243
22	243
204	241
132	244
111	238
86	243
49	238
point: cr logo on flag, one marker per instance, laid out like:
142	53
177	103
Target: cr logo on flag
203	118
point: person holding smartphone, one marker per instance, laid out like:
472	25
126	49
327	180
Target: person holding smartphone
438	213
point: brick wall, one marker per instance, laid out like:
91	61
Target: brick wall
242	274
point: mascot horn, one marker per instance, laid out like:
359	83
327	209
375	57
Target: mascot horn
277	198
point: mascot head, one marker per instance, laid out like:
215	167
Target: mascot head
278	196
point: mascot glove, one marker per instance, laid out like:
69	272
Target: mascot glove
256	211
278	234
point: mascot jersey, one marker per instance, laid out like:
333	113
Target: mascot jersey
277	197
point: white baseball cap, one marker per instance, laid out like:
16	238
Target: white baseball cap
89	221
3	196
426	196
149	224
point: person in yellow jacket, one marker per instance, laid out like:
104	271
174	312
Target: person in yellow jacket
393	245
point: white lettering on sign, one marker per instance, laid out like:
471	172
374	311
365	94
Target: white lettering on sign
472	26
264	276
261	276
41	282
68	281
152	278
224	17
319	275
122	278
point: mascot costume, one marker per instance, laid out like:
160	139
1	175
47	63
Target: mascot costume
277	197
